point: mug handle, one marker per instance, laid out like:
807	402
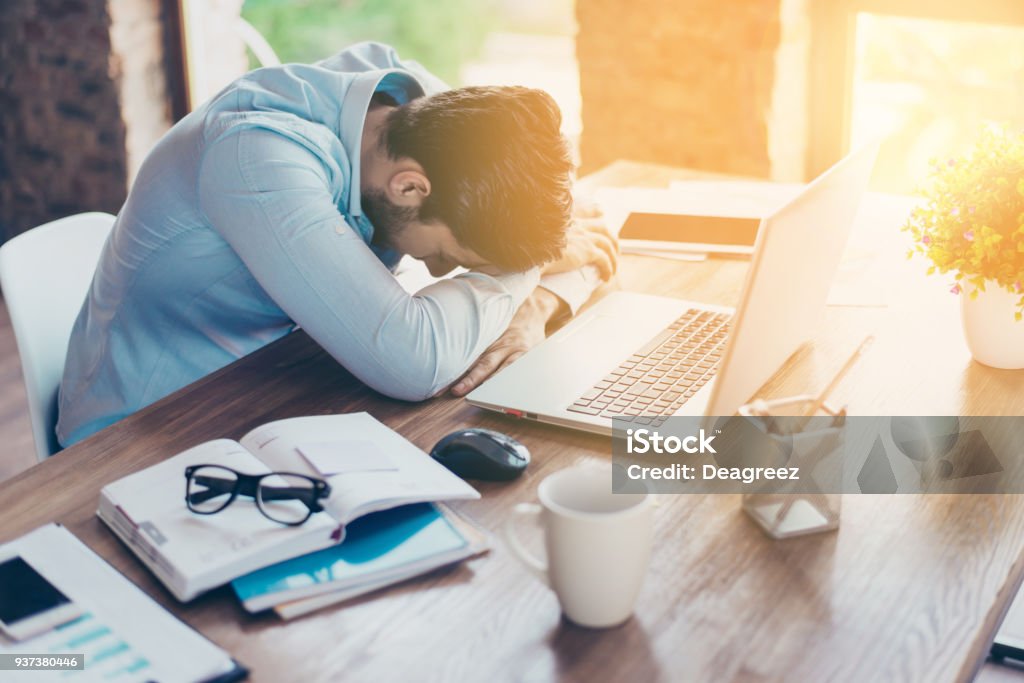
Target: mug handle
536	566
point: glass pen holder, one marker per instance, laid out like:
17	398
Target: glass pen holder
809	446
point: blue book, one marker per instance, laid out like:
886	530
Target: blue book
379	549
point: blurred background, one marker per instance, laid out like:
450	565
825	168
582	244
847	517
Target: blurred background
924	84
465	42
775	89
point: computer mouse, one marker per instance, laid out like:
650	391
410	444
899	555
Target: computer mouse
482	454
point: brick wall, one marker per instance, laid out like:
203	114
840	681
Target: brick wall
686	83
82	98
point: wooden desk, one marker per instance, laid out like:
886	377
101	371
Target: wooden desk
911	588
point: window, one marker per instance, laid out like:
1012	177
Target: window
925	74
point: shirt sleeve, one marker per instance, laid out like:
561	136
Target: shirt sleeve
271	200
574	288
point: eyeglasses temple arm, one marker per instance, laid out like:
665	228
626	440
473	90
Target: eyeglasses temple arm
215	486
309	497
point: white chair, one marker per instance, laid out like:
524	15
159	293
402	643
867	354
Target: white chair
45	274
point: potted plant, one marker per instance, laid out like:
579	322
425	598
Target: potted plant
971	225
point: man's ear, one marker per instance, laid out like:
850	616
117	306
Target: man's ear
408	188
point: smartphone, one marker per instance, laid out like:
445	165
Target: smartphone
29	604
682	232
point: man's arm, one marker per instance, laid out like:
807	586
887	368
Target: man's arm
573	288
592	256
273	201
526	330
559	295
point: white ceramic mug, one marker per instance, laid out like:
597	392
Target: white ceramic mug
598	543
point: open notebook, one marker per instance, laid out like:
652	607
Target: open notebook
368	466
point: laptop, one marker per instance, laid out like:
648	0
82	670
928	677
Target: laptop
652	357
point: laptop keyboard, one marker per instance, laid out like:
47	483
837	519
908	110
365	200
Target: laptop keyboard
659	378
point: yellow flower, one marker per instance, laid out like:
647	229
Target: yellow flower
972	220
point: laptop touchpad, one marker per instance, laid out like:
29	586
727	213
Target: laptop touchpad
603	339
602	326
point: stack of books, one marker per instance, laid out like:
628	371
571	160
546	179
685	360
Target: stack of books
380	549
381	523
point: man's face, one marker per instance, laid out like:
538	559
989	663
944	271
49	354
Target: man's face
399	228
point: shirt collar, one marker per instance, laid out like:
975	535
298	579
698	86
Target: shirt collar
353	117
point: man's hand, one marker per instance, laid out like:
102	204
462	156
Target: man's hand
524	332
588	242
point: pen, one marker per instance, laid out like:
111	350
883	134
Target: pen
818	402
836	379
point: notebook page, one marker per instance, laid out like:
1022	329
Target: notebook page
198	545
388	471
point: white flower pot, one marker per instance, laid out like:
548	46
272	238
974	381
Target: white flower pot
994	336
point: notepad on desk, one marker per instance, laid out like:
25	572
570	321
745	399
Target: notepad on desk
123	635
368	466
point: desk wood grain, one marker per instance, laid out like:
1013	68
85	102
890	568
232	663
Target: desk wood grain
910	588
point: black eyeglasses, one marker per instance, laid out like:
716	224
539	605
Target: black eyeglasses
284	497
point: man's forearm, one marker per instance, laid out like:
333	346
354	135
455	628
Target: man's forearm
574	287
546	306
526	329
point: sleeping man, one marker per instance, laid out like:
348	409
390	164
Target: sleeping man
288	200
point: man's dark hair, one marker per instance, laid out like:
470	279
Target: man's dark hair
499	169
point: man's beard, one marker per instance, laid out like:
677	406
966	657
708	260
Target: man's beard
388	218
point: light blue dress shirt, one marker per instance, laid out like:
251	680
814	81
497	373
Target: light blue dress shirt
245	221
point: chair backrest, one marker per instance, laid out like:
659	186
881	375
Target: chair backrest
45	275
